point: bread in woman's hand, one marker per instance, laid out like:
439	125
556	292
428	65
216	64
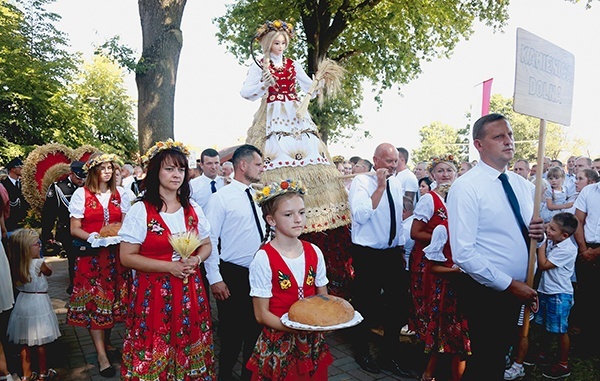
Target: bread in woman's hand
110	230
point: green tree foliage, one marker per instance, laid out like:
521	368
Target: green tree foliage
381	42
33	68
105	113
45	96
441	139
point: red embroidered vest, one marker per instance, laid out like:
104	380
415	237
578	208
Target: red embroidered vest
284	288
93	212
440	217
156	245
285	78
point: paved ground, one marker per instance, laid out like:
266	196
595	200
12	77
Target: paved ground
73	354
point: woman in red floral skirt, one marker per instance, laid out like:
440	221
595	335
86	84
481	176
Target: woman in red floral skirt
169	328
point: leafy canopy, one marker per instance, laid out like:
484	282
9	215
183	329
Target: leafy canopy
379	42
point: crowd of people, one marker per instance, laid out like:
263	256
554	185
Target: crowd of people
440	251
446	250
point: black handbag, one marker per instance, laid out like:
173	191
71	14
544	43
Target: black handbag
84	248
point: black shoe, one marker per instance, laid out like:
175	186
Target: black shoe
368	364
392	365
114	355
108	372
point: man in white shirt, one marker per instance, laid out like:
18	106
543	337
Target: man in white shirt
227	170
489	244
127	176
378	259
208	182
587	266
409	181
233	217
521	168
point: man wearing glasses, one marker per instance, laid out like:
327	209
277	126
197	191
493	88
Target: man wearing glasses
55	213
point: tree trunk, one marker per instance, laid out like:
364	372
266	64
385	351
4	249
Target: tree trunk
156	76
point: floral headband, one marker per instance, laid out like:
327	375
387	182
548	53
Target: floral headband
278	188
441	159
337	159
104	158
161	146
274	26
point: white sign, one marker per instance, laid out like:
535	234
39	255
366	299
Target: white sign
543	79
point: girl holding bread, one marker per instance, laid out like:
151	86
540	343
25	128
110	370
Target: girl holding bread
283	271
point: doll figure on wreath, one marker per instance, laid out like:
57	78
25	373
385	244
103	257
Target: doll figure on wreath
285	132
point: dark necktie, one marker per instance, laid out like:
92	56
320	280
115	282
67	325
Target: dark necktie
514	205
392	213
19	183
262	236
213	186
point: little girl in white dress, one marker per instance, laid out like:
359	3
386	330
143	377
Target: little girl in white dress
32	322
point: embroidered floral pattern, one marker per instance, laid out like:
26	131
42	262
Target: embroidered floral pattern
155	227
284	280
91	204
441	212
310	278
116	203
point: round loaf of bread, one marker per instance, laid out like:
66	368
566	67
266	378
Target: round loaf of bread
110	230
321	310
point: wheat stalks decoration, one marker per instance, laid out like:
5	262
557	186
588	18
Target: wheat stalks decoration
329	77
185	244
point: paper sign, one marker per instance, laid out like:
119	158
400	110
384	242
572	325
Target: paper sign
543	79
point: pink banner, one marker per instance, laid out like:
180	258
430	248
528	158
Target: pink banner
485	100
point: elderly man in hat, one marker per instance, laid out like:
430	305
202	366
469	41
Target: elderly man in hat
18	205
56	213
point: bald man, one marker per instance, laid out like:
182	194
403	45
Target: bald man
377	257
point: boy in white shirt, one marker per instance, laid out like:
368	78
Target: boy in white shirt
556	258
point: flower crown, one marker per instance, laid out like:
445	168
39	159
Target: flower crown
338	159
278	188
441	159
104	158
277	26
161	146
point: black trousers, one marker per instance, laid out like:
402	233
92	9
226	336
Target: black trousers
237	325
586	298
376	270
492	317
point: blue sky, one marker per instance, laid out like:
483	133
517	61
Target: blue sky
209	111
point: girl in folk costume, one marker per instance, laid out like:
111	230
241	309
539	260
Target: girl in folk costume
165	238
435	317
283	271
288	137
101	284
32	323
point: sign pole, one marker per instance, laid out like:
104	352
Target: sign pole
536	213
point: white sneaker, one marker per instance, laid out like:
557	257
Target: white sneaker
514	372
406	332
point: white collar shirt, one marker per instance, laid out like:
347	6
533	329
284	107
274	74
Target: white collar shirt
485	236
558	280
371	227
230	215
588	201
200	188
569	184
